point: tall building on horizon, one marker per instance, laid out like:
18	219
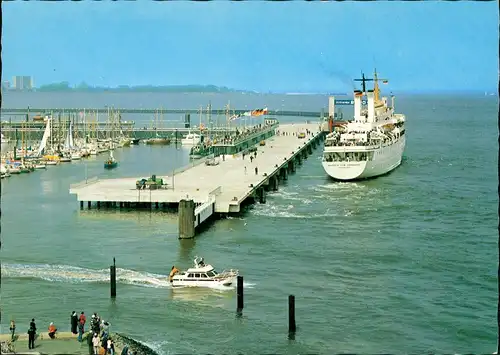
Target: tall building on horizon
22	83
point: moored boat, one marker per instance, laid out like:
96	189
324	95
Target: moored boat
369	145
191	139
158	141
202	275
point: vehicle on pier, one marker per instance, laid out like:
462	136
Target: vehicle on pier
153	183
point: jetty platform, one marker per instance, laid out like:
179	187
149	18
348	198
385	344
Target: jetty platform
213	185
64	343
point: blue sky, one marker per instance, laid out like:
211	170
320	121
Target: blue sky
263	46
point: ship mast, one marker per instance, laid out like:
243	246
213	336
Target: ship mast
376	90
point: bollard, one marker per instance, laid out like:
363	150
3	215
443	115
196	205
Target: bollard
239	293
112	270
291	314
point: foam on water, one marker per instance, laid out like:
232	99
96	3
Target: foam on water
75	274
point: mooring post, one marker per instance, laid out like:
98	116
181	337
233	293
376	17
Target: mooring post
239	293
186	219
112	270
291	314
81	205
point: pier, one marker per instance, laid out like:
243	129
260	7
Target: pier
43	110
217	184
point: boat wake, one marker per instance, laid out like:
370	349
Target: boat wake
75	274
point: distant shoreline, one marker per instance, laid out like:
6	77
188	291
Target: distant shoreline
213	89
64	87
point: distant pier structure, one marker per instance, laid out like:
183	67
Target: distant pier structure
215	185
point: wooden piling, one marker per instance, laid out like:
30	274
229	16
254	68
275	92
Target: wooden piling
186	219
112	270
292	328
239	293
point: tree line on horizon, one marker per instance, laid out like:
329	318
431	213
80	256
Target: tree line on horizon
65	86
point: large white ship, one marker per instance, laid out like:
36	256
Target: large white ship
371	144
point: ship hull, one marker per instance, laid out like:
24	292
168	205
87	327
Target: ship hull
384	161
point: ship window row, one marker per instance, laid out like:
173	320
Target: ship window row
201	275
332	143
347	156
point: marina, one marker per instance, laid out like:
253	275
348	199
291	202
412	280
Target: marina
223	181
202	189
362	234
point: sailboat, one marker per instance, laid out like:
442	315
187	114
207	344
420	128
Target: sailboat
111	163
157	140
46	135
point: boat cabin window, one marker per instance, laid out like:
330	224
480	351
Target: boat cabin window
191	275
197	275
204	276
211	274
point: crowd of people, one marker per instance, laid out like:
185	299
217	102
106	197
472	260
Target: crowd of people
98	336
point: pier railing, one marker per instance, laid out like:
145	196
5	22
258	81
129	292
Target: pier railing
79	110
86	182
216	191
193	164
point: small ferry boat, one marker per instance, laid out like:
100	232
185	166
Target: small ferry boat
202	275
111	162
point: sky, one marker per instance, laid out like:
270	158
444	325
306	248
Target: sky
254	45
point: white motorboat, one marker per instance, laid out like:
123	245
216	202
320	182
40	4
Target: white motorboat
191	139
40	166
76	156
202	275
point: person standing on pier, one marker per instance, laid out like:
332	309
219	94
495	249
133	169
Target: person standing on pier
12	329
31	334
96	342
81	326
74	323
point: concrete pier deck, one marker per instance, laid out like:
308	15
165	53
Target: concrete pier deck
64	343
219	188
